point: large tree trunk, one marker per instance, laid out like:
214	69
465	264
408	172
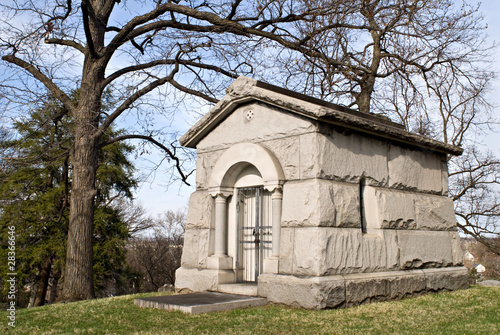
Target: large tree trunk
43	282
78	273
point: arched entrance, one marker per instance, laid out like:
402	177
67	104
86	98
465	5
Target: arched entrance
248	179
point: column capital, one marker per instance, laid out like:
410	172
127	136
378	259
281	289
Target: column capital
277	193
221	192
273	187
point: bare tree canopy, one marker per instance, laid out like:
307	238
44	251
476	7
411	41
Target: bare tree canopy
157	53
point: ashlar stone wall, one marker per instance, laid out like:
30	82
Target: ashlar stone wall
351	203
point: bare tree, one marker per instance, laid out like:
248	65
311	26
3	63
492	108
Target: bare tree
336	49
99	44
157	255
422	63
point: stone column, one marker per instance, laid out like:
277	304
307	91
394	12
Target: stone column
271	264
220	260
220	226
277	199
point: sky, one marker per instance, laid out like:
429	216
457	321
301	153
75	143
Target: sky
491	11
156	196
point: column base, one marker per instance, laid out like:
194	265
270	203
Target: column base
195	280
271	265
220	262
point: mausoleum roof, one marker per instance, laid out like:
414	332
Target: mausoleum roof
244	90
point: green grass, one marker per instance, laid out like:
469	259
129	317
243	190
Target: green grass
473	311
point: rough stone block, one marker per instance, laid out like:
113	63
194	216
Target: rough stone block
349	156
195	256
424	249
312	293
374	253
455	278
392	249
327	251
366	287
456	251
406	283
200	212
343	251
287	246
308	156
415	170
444	177
434	212
343	157
287	152
320	203
205	161
396	210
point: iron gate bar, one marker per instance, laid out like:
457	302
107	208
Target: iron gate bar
256	232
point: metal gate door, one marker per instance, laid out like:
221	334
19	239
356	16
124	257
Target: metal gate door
254	233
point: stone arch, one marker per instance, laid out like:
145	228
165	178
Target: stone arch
238	157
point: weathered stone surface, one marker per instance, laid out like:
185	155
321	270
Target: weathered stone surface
392	249
287	152
320	203
415	170
327	251
419	249
374	253
396	210
457	253
366	287
434	212
201	210
343	158
308	156
455	278
313	293
205	161
287	246
196	280
195	256
266	122
405	283
444	177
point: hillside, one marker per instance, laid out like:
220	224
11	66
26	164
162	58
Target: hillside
473	311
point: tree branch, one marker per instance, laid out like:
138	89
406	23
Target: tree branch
149	65
86	27
35	72
69	43
171	154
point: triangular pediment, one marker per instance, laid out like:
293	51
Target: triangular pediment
245	90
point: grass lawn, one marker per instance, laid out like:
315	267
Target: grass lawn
473	311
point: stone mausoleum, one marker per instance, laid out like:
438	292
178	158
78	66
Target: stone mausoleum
315	205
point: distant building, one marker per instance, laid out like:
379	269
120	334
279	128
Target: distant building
468	257
479	268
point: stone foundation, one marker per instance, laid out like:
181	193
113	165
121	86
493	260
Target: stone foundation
355	289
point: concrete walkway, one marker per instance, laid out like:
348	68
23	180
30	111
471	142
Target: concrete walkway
201	302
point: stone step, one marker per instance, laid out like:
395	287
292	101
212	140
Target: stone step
201	302
239	288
